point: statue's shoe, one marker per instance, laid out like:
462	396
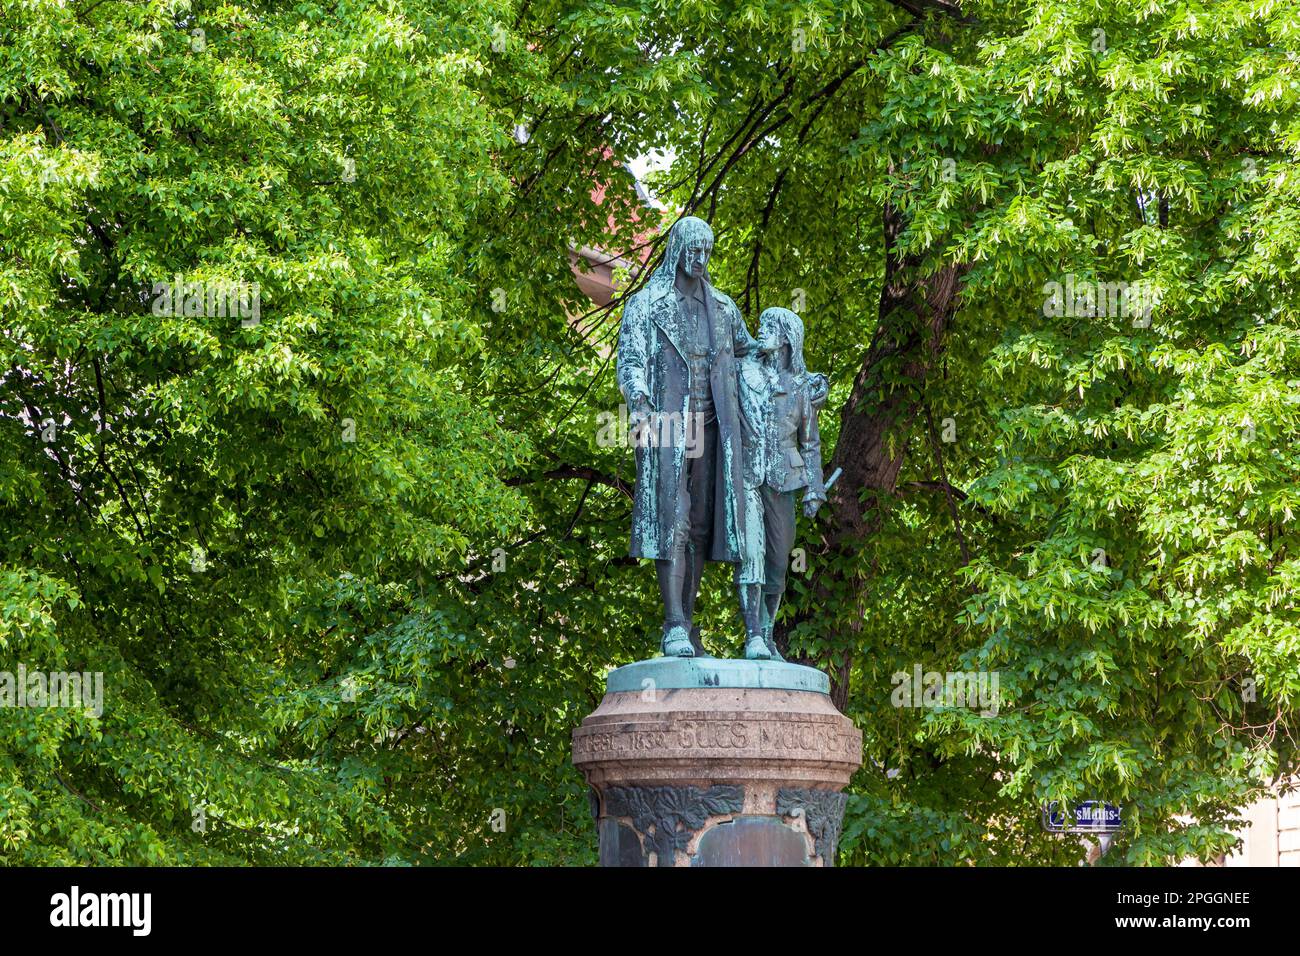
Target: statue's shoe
699	644
756	648
677	642
771	644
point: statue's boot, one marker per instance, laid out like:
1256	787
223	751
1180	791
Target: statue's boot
677	642
677	635
690	590
751	609
771	603
751	613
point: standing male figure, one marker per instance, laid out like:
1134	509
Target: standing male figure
677	349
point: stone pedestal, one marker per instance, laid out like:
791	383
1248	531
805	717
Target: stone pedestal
710	762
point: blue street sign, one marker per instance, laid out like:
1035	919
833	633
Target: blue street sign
1091	816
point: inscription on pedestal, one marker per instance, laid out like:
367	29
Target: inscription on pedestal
776	736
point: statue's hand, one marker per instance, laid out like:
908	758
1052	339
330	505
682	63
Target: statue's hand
638	419
819	387
810	506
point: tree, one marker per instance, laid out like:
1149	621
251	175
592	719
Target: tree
197	500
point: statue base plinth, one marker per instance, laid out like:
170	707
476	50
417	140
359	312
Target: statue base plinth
712	762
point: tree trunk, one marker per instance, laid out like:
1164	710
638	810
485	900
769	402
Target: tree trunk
888	392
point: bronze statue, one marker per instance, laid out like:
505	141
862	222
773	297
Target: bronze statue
677	352
726	434
779	400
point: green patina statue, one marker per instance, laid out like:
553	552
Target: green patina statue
677	351
779	400
725	430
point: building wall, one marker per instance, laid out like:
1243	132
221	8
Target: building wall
1273	837
1288	829
1259	840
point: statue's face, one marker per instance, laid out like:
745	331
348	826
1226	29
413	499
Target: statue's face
695	257
770	338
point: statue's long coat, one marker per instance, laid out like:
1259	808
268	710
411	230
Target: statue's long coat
651	361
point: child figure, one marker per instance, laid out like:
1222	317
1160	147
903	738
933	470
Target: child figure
782	453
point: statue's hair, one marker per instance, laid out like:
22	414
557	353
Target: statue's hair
791	328
684	231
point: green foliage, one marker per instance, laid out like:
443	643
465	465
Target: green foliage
206	486
353	573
